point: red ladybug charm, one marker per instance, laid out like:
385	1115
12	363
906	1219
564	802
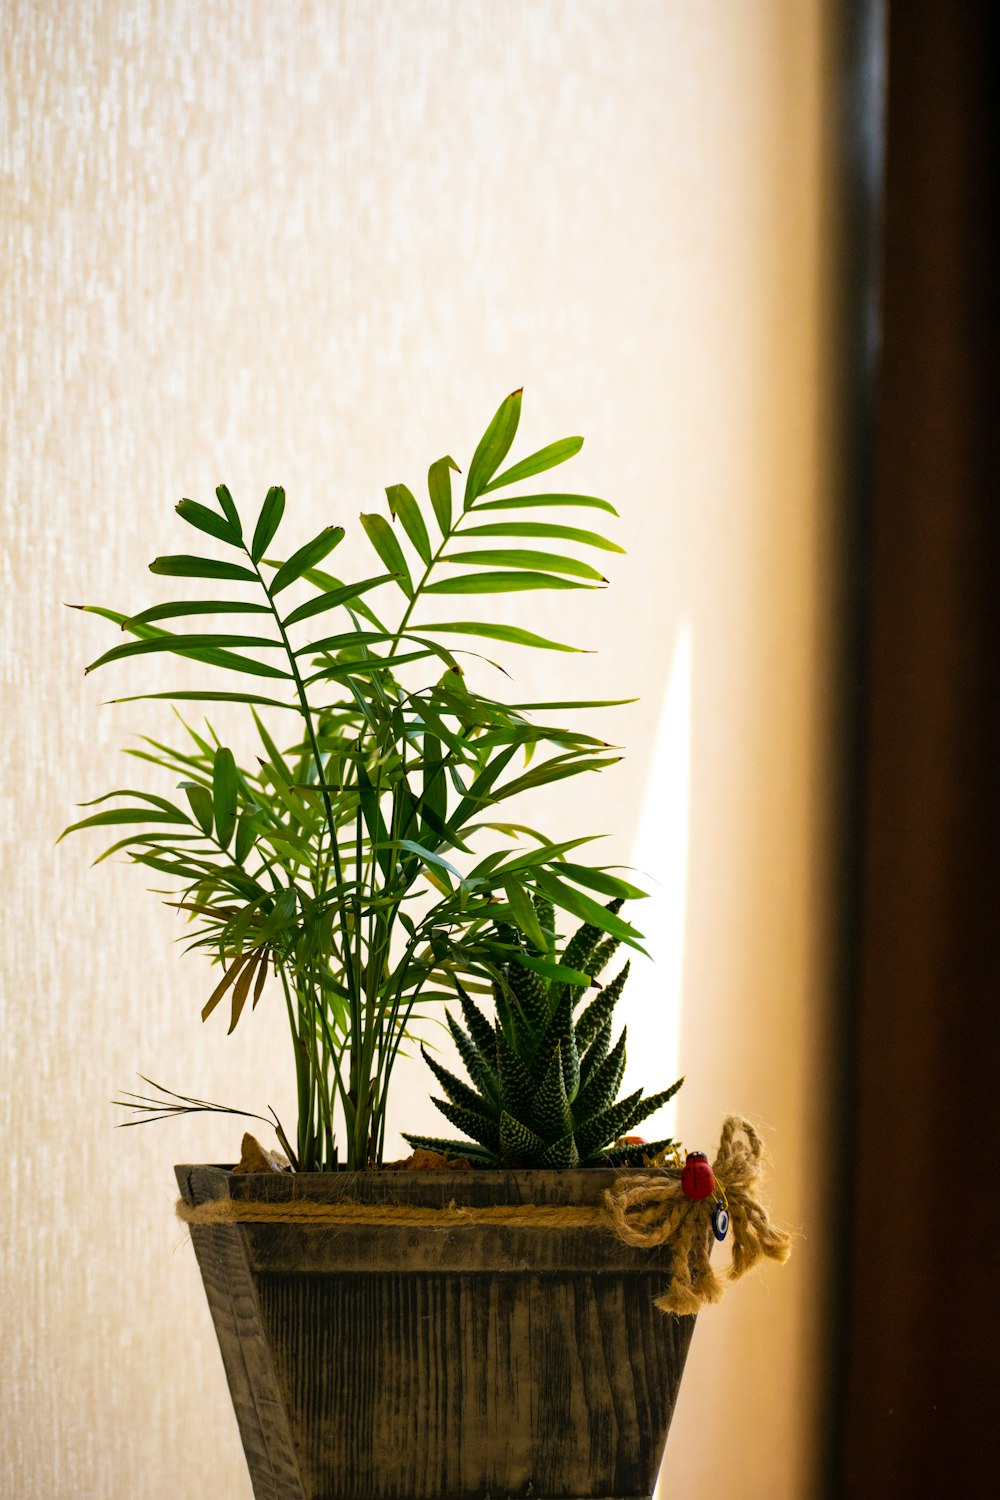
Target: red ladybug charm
697	1177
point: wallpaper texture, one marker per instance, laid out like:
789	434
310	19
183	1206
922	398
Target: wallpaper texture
315	244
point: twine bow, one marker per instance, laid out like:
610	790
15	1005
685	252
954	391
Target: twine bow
652	1211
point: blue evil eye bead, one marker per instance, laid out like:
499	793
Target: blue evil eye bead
720	1220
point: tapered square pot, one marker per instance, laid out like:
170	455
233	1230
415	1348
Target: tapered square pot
411	1360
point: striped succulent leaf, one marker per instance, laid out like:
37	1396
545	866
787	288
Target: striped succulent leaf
479	1029
530	995
599	1011
602	1085
517	1087
551	1115
585	941
544	1083
596	1053
479	1070
517	1142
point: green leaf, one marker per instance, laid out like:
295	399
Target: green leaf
439	488
328	583
544	854
383	539
180	565
493	447
482	786
182	607
374	821
586	908
548	562
169	838
268	521
179	645
557	768
343	594
530	735
434	797
124	815
512	634
403	503
275	756
331	643
435	726
543	529
545	458
600	880
347	671
246	837
524	914
534	502
114	615
424	853
224	794
208	521
291	849
229	510
236	663
294	802
549	969
173	867
591	703
200	799
306	557
149	797
199	697
499	583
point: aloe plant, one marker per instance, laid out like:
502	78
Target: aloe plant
544	1079
341	863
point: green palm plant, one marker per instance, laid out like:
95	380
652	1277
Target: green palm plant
344	863
544	1079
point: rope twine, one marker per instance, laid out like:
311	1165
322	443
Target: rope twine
642	1210
655	1211
347	1211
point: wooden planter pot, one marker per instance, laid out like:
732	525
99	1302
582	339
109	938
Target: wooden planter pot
394	1362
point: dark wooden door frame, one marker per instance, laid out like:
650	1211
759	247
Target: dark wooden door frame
913	1404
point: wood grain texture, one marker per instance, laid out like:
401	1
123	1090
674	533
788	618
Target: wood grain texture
257	1395
405	1380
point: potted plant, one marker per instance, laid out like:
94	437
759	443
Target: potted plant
483	1322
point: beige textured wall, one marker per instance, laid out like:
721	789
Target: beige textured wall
315	243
